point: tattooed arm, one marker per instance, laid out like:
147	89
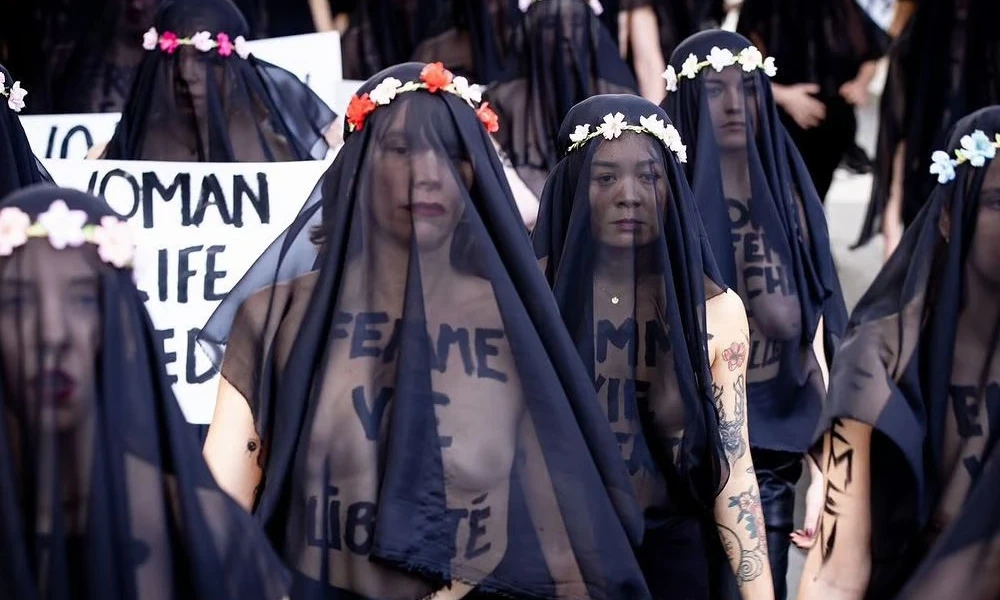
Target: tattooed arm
839	565
232	446
738	514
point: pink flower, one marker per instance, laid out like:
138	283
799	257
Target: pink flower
150	38
63	226
15	97
115	242
240	45
224	44
14	224
168	42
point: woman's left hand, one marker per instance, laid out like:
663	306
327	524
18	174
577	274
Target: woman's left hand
805	537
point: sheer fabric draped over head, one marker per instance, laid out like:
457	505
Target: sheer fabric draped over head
103	490
919	364
204	107
383	33
424	416
768	232
18	166
560	55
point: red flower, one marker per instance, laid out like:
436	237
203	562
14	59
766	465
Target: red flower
488	118
435	76
225	46
734	355
358	110
168	42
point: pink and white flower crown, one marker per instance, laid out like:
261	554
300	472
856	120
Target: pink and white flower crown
65	228
202	41
434	78
14	94
750	59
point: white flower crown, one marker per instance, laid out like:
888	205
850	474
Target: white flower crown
14	94
750	58
976	150
67	228
615	124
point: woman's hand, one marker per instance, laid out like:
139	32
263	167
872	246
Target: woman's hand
806	536
799	102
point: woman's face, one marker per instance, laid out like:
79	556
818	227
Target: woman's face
628	191
50	326
418	184
985	253
729	92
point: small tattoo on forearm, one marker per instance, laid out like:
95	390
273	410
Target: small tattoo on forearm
751	557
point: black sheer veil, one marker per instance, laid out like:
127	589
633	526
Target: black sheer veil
405	365
215	106
18	165
103	490
768	232
919	365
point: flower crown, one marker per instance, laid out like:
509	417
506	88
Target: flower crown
615	124
976	150
595	5
15	94
202	41
67	228
749	58
433	78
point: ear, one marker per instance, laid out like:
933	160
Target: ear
944	223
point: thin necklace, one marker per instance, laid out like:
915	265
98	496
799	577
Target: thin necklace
613	297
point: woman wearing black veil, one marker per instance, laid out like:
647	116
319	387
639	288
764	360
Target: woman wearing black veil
18	165
826	50
910	429
560	55
944	64
400	407
103	492
383	33
664	343
77	56
768	232
199	96
472	39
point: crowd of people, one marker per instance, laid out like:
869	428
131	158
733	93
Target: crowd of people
561	320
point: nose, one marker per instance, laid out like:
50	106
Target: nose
734	101
629	197
425	168
54	334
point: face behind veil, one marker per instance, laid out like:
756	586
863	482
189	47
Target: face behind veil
423	415
768	233
103	491
204	107
18	165
919	364
560	55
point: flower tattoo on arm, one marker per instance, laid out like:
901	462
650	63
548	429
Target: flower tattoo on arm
735	355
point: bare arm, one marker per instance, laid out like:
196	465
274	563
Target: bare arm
644	40
904	10
820	352
232	447
322	15
839	565
892	219
738	513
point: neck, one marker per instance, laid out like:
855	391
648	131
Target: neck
981	314
617	266
734	163
386	267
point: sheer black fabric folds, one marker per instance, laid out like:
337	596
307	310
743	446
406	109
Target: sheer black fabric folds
189	105
103	491
560	55
768	234
383	33
625	252
18	165
424	416
919	364
472	38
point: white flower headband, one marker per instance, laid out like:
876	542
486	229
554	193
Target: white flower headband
67	228
749	58
15	94
615	124
202	41
976	150
595	5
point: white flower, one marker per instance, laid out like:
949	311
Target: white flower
469	92
682	153
580	133
14	224
3	81
240	45
64	226
385	92
670	75
770	69
977	148
150	39
720	59
15	98
115	242
655	126
597	7
524	5
942	166
751	58
690	67
203	41
612	126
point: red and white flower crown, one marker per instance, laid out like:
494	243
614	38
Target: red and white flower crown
65	228
434	78
202	41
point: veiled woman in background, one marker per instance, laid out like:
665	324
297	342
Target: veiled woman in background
18	165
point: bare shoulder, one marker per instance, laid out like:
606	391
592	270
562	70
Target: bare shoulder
726	312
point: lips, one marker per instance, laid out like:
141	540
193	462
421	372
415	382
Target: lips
427	209
628	224
57	385
734	126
